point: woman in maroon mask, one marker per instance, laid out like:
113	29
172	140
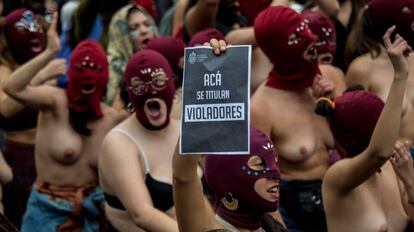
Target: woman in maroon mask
245	188
362	191
136	156
22	39
70	129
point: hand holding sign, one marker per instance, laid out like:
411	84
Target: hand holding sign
218	46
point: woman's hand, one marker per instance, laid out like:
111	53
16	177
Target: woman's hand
402	163
53	41
323	87
398	52
219	46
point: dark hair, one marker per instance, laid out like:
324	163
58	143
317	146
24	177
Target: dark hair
364	37
326	107
78	121
6	57
123	92
83	19
354	87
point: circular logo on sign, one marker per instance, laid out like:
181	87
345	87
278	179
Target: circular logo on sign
192	58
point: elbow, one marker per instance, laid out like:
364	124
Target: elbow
8	89
381	154
141	216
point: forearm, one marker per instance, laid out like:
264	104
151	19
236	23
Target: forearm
10	107
409	190
24	74
155	220
241	36
329	7
389	121
201	16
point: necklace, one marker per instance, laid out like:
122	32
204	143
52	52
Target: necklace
230	227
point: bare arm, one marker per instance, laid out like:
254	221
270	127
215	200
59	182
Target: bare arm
329	7
119	165
242	36
361	167
6	174
17	86
191	209
201	16
178	19
402	164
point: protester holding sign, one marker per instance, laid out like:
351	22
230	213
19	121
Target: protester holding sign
245	187
283	109
136	156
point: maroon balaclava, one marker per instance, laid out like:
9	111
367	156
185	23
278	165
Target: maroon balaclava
149	6
148	75
205	36
356	114
325	34
230	174
251	8
285	38
173	50
87	77
25	38
386	13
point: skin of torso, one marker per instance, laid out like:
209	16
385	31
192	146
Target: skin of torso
301	137
64	157
376	77
374	206
159	158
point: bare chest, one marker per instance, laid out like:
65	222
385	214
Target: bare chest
376	206
299	132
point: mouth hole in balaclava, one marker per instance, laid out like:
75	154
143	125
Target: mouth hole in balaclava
154	107
88	88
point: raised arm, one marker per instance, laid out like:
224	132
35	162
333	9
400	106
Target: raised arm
191	209
17	86
380	148
201	16
119	166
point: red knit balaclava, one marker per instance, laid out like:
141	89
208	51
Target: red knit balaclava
87	77
285	38
25	38
148	75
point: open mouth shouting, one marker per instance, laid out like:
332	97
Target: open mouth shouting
35	45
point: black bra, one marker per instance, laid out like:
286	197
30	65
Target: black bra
161	195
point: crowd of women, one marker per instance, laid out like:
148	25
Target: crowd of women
90	110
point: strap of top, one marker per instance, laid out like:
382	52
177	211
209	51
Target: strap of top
127	134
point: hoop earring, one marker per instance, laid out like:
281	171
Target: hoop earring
230	202
130	108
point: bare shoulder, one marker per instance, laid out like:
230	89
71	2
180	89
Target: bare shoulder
359	70
115	143
113	115
334	176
